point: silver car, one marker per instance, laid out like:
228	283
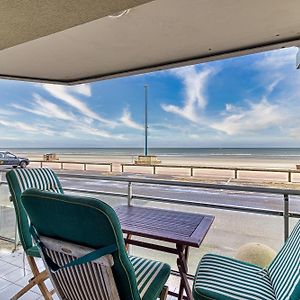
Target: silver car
10	159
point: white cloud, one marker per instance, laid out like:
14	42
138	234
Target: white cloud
47	109
90	130
18	125
5	112
252	119
229	107
277	70
274	70
196	137
127	120
36	129
65	93
194	83
68	135
9	138
273	84
294	132
74	129
82	89
277	59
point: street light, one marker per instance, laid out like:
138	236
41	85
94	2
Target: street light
146	120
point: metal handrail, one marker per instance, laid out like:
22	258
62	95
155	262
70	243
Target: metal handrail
62	163
235	169
241	188
191	167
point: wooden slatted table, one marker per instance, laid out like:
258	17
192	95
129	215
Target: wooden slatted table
183	229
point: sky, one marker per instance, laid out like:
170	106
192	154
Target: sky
249	101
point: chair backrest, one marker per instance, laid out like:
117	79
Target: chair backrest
87	222
20	180
96	283
284	270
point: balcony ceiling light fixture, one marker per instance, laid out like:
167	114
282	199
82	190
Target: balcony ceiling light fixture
120	14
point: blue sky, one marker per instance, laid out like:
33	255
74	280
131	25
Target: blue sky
251	101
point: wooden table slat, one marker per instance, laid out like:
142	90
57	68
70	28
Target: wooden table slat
166	225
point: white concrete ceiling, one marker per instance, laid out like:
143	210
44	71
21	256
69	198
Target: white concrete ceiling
152	36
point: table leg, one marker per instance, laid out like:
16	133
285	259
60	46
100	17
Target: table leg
183	253
181	288
127	244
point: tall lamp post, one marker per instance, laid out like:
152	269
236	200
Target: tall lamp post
146	159
146	120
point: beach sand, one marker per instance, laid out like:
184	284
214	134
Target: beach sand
203	175
230	161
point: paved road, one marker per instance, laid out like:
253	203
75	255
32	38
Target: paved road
233	198
253	200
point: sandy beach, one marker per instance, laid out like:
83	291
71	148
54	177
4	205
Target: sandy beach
239	161
209	175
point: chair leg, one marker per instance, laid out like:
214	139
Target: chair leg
47	295
35	280
164	293
38	279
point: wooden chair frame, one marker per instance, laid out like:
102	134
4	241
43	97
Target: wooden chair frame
37	279
64	279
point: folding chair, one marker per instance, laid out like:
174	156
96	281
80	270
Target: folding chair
82	245
20	180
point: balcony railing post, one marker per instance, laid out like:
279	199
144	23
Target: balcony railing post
192	171
129	193
235	173
41	164
62	166
286	215
84	167
122	168
289	176
111	167
154	170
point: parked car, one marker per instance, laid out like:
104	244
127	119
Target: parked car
10	159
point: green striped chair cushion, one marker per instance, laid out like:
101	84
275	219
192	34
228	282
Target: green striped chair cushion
224	278
150	276
39	178
284	271
20	180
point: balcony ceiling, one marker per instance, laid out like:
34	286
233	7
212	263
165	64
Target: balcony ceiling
23	21
53	41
